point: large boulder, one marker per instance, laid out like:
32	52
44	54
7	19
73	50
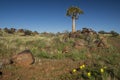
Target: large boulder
24	58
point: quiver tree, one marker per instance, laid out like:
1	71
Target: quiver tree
74	13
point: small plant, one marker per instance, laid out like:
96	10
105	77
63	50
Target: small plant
74	70
82	66
87	72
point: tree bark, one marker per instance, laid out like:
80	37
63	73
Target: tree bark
73	25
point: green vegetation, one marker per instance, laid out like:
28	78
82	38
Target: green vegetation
114	34
102	66
88	60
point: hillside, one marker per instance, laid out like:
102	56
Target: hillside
83	55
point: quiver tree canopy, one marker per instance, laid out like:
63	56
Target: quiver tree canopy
74	12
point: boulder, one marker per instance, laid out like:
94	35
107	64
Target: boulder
5	61
24	58
65	49
79	44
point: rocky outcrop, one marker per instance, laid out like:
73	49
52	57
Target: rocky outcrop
24	58
75	35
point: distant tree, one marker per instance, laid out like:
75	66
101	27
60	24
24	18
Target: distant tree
102	32
27	32
114	34
6	29
12	30
35	33
74	13
20	30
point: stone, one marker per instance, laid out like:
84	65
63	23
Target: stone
102	42
24	58
75	35
65	49
79	44
5	61
88	55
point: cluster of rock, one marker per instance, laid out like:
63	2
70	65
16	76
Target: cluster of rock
85	38
85	31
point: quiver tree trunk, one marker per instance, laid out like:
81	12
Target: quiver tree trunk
73	25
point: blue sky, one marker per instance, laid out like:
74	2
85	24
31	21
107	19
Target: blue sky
50	15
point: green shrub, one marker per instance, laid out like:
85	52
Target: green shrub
114	34
28	32
102	32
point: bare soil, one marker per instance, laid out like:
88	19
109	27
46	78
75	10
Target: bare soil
44	69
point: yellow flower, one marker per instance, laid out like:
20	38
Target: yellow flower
74	70
88	74
82	66
101	70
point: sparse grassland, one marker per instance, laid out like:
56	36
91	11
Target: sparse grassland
52	63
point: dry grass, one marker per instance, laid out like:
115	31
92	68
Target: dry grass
52	64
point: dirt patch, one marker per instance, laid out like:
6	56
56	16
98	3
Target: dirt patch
46	69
